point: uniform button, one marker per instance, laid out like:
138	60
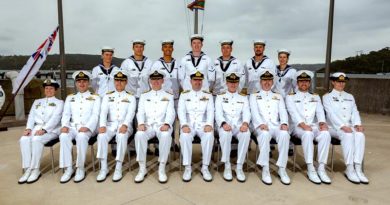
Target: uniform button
344	108
305	110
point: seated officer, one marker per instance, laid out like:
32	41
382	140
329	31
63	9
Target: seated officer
156	115
232	116
309	124
79	121
270	120
196	116
346	125
116	117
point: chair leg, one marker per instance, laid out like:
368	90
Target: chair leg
257	153
93	158
129	158
294	157
180	158
52	160
331	158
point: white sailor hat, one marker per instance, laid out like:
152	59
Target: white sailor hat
81	75
120	75
283	50
50	82
197	36
339	76
107	49
259	42
267	74
233	77
167	41
226	42
155	74
304	75
138	41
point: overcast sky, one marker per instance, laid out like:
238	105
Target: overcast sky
298	25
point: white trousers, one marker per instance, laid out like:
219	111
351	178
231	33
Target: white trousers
66	147
225	138
282	138
164	142
207	141
353	145
322	137
121	144
31	148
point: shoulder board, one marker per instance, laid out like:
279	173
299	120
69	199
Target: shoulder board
185	91
146	91
95	94
169	92
71	94
292	93
256	92
110	92
223	93
205	91
275	92
243	94
129	93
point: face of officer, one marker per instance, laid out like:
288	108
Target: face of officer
120	85
107	57
50	91
156	84
303	85
232	87
259	49
82	85
226	50
167	49
339	86
196	84
266	85
196	45
138	49
283	58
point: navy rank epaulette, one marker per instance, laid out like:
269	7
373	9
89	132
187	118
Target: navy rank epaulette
95	94
223	93
185	91
71	94
146	91
243	94
292	93
275	92
256	92
129	93
205	91
110	92
169	92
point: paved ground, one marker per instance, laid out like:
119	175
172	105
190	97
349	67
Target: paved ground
48	190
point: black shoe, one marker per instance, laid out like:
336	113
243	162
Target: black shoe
290	152
156	152
272	147
233	154
270	154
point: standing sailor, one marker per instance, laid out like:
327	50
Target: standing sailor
102	78
194	61
227	64
254	66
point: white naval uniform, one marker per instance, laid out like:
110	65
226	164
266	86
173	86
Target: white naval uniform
117	109
196	110
80	110
221	68
307	108
156	108
103	80
341	111
138	79
285	81
252	70
268	108
44	114
171	79
233	109
189	64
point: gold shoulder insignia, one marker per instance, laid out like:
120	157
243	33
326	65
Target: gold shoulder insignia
256	92
71	94
223	93
275	92
169	92
292	93
205	91
147	91
95	94
243	94
185	91
129	93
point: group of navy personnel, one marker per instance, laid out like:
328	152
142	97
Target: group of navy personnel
213	100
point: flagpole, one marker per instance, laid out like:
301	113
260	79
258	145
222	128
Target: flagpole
196	21
17	91
62	50
329	46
